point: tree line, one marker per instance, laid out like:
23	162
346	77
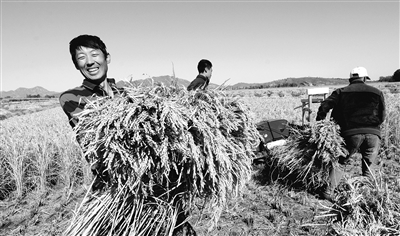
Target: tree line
39	96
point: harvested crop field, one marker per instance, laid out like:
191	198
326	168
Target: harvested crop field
45	178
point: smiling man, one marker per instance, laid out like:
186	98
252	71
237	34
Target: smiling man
89	55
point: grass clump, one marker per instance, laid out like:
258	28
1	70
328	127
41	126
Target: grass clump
168	143
390	144
365	206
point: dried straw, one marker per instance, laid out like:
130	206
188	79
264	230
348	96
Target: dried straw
165	141
122	214
309	155
365	206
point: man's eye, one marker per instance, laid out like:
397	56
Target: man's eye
81	58
95	55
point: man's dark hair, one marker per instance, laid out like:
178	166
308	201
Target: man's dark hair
203	64
90	41
396	76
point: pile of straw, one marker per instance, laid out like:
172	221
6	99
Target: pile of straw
308	155
365	206
163	141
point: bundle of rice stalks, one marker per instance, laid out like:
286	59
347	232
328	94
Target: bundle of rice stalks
309	155
365	206
122	213
172	144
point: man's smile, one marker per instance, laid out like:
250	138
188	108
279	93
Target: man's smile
93	70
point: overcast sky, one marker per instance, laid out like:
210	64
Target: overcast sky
247	41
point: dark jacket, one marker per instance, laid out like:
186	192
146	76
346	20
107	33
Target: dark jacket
200	82
74	100
358	108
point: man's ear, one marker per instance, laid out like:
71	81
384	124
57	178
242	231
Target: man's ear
108	59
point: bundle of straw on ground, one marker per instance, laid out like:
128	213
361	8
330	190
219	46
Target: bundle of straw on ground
307	157
171	144
365	206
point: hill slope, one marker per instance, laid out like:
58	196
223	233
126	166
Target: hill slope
292	82
164	79
24	92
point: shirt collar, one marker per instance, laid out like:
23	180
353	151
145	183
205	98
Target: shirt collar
356	81
89	85
202	77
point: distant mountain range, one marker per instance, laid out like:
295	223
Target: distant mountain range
295	82
25	92
288	82
167	80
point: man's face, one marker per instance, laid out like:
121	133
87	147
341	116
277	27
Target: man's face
208	72
92	63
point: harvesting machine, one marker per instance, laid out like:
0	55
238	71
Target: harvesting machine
274	133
